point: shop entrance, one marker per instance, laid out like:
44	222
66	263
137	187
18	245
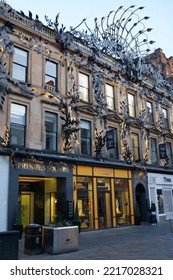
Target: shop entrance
104	209
39	197
104	203
141	200
26	208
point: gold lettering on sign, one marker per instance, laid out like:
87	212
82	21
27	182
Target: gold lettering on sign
100	171
42	167
31	166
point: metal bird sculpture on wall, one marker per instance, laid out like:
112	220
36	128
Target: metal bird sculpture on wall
99	142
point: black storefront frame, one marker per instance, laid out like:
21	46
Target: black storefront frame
25	167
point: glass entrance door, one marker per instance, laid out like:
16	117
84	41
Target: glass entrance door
104	203
25	209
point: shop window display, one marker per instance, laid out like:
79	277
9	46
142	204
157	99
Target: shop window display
160	202
122	206
85	202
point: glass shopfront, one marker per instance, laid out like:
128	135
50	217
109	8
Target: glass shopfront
104	203
104	197
122	201
85	202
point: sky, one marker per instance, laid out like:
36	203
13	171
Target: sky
72	12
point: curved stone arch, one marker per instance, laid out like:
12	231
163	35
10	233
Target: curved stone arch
141	199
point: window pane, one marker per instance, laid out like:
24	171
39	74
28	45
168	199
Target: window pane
85	202
83	80
160	202
83	87
85	138
18	114
122	203
131	105
19	72
51	76
169	152
20	60
17	124
50	131
135	146
20	57
113	153
167	200
165	113
110	96
150	112
153	150
50	81
50	68
17	134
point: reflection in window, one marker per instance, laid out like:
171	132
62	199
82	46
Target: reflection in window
167	201
122	205
131	105
85	202
85	137
150	112
110	97
153	150
83	87
169	152
165	116
113	153
17	124
51	76
20	60
104	203
50	131
135	146
160	202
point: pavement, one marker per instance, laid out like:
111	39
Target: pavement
143	242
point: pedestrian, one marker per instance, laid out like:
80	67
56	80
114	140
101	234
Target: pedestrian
153	214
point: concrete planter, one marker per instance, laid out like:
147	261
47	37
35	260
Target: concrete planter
59	240
9	245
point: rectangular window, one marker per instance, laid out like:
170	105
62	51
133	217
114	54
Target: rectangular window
135	146
51	76
20	64
84	87
166	122
169	153
160	201
122	202
113	153
84	191
154	157
17	124
131	105
50	131
110	97
150	112
85	137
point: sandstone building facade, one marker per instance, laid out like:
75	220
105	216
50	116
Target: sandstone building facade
81	121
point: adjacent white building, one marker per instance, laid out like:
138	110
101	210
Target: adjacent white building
160	188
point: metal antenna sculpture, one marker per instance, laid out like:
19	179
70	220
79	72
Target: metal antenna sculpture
68	107
122	35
